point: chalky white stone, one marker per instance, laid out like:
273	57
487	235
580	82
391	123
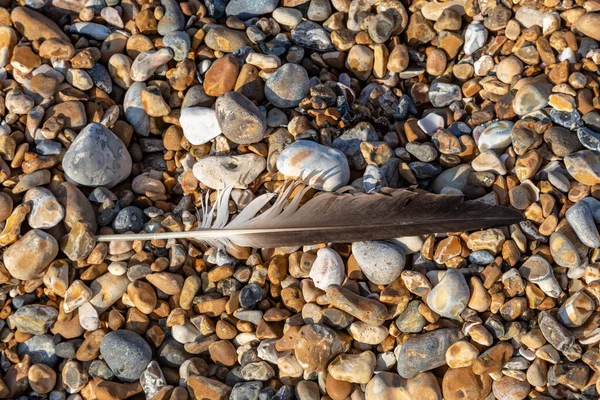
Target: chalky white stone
475	37
321	167
450	296
218	172
327	269
199	124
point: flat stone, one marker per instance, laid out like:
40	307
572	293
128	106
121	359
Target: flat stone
218	172
87	166
426	351
199	124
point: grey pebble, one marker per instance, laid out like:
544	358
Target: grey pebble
126	353
312	36
173	20
97	157
179	42
41	349
130	218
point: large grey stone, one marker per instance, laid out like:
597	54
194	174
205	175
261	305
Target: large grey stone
126	353
97	157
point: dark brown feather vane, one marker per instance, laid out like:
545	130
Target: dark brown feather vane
353	217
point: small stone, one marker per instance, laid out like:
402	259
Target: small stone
496	136
464	384
42	378
201	388
222	76
537	270
46	212
226	40
584	166
238	171
450	296
411	320
353	368
426	351
199	124
287	86
509	68
581	220
312	36
85	165
316	165
327	269
239	119
508	388
461	354
576	310
315	345
29	256
246	9
531	97
475	37
443	94
367	310
34	319
126	353
587	24
381	262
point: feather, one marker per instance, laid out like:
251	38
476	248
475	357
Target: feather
335	217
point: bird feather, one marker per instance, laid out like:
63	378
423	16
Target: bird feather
335	218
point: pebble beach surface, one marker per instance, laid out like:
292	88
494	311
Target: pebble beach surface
119	116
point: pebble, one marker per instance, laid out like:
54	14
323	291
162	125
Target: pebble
581	220
463	383
318	166
287	86
353	368
246	9
46	211
29	256
42	378
126	353
312	36
443	94
34	319
584	166
381	262
426	351
239	119
450	296
475	37
327	269
200	124
219	172
531	97
496	136
87	166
